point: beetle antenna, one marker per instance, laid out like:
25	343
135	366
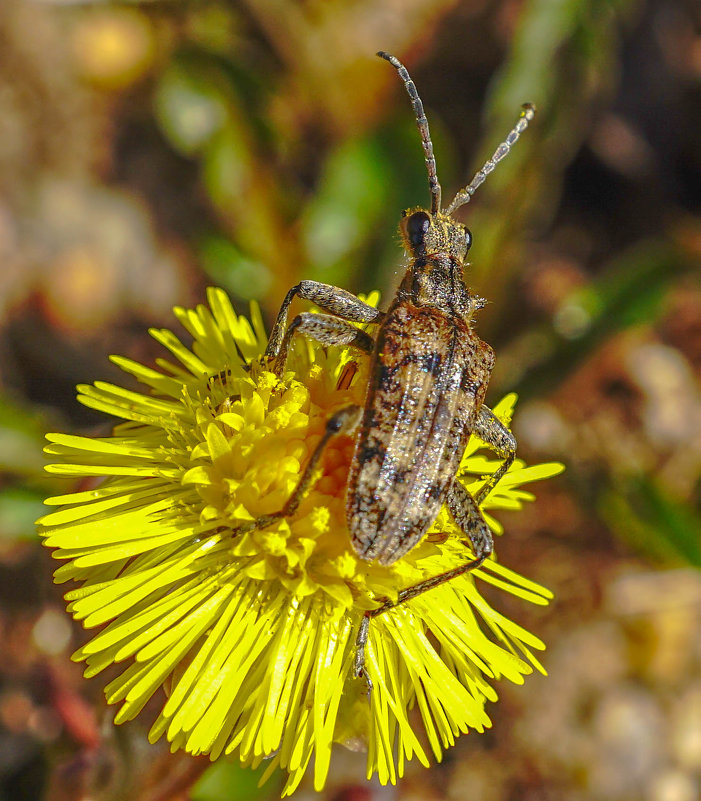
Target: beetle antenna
422	123
464	195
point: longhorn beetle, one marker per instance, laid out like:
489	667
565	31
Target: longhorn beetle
426	391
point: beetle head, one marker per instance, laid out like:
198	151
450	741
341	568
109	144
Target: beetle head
426	234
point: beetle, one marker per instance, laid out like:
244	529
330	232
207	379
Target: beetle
426	391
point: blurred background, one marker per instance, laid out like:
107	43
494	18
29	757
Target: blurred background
148	150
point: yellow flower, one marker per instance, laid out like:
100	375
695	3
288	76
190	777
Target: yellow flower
252	635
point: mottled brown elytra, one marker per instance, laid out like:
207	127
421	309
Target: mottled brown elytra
426	391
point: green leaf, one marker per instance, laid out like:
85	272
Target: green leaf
230	268
19	508
653	522
228	781
342	214
21	441
631	291
190	107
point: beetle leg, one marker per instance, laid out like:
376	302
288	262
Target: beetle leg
333	299
494	433
361	641
465	510
342	422
466	513
325	329
468	516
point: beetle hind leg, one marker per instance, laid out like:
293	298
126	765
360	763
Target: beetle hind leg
465	510
467	515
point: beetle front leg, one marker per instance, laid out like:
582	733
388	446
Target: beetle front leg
333	299
494	433
325	329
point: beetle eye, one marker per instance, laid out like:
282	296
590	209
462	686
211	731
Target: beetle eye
417	227
468	239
